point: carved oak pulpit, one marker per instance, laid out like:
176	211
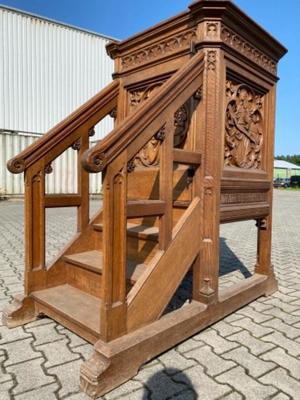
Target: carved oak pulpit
193	100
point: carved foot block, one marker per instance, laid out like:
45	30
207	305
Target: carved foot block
100	374
20	312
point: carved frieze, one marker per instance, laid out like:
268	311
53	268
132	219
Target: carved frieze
241	45
245	198
159	50
243	127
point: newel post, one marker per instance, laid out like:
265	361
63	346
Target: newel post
113	307
209	120
34	223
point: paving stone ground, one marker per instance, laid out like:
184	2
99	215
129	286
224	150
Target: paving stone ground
252	354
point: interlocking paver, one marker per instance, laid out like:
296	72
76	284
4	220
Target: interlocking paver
212	363
219	344
249	387
20	351
256	346
57	353
252	352
277	338
29	375
280	357
283	381
291	332
252	364
204	386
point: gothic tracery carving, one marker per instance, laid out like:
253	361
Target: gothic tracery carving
243	127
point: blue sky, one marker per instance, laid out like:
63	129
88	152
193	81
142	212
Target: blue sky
121	19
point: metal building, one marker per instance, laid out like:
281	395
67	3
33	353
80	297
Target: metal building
47	70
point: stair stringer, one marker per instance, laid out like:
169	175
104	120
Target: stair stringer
153	291
55	274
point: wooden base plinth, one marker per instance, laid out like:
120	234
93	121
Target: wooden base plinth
116	362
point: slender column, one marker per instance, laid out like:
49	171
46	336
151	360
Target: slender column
264	235
83	185
166	183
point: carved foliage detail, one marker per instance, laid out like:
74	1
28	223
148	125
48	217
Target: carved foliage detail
243	127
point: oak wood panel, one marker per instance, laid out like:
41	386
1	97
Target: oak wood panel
165	275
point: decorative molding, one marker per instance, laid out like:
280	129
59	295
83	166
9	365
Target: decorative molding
76	145
199	94
211	60
211	29
181	124
262	224
243	127
244	47
159	49
113	113
92	132
48	169
130	166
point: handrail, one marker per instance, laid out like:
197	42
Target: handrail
106	98
98	157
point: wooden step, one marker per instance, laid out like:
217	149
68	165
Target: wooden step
71	307
93	261
140	231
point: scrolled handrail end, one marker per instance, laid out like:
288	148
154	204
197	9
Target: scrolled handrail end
93	162
16	165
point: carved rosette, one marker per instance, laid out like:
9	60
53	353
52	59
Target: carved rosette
148	156
243	127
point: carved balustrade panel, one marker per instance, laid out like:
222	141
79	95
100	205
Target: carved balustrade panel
148	156
244	125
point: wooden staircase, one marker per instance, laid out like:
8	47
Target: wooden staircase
193	101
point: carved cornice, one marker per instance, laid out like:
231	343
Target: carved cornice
159	50
238	43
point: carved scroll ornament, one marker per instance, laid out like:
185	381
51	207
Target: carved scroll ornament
243	127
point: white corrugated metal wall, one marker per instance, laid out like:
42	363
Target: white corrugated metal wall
47	70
